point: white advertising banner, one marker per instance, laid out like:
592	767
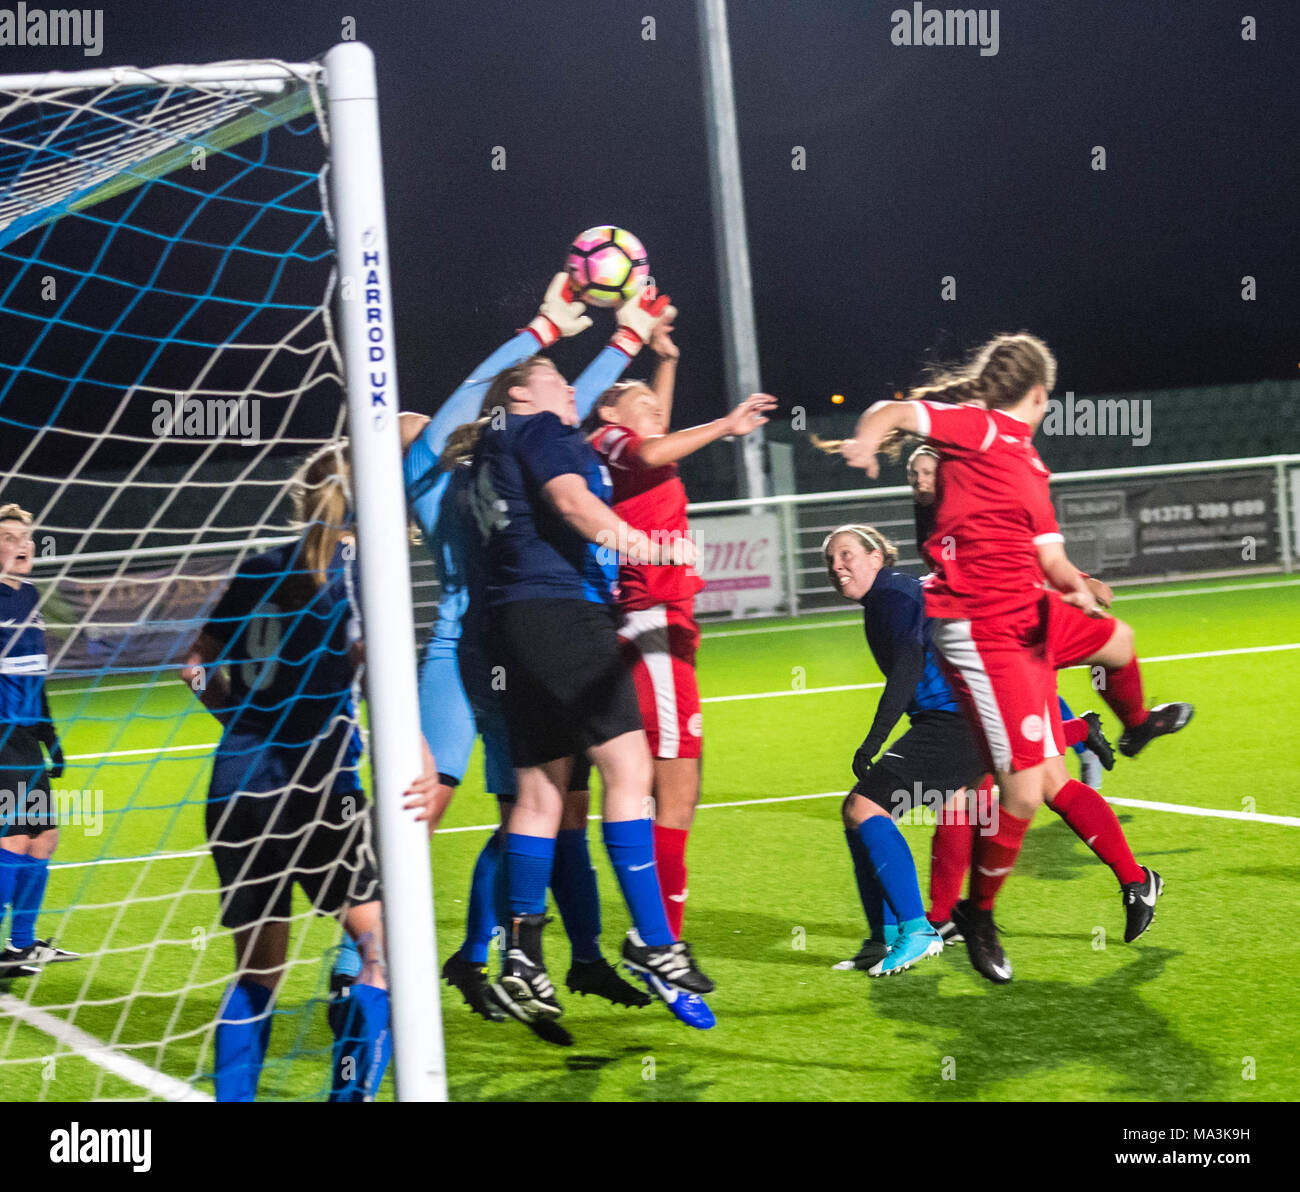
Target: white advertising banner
740	561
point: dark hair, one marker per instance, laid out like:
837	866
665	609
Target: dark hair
611	397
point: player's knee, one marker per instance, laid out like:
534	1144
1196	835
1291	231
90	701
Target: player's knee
43	844
1123	643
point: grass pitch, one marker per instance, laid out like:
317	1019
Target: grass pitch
1193	1011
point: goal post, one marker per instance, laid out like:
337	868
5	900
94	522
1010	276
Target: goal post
366	320
92	146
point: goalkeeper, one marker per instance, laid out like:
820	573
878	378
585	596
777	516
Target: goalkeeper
29	831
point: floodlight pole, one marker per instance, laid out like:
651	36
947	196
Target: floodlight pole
366	318
739	338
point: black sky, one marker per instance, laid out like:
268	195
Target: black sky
922	162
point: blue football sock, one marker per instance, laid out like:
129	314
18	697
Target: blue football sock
878	911
1079	747
363	1043
895	870
29	893
9	865
573	882
481	919
528	872
243	1031
631	848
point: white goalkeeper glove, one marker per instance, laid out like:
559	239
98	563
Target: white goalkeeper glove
637	318
560	314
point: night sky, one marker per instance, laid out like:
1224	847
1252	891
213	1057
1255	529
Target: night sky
922	162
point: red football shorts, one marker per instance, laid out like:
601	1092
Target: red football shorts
1072	635
659	646
1003	673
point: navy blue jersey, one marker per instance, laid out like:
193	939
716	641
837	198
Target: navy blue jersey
532	553
286	644
900	637
23	661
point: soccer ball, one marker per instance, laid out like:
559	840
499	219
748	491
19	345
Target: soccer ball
606	266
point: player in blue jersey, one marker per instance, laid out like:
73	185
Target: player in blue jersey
285	803
29	831
938	756
458	697
541	499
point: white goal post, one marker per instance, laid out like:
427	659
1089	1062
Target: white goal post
345	79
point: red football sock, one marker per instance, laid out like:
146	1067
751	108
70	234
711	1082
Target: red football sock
995	857
951	848
1076	730
670	859
1093	822
1123	692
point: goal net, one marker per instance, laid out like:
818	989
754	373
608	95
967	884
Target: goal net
170	277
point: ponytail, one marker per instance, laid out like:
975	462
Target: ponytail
322	501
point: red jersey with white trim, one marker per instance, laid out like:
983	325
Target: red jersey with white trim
993	510
649	499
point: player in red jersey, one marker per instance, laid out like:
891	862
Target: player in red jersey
1000	627
658	631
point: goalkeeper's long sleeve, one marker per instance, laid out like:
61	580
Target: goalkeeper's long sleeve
463	405
598	376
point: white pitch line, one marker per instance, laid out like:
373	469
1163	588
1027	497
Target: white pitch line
97	1052
198	852
726	699
1127	596
204	746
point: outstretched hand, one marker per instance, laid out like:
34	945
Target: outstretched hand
748	416
637	319
560	314
661	338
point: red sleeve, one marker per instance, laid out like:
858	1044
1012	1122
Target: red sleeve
618	447
961	428
1042	516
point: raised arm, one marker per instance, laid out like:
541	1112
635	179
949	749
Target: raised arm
880	420
558	316
746	417
667	354
638	319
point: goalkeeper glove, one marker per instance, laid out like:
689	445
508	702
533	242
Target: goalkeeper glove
862	762
637	318
560	314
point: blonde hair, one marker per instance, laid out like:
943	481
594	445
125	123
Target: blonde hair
462	441
15	512
322	505
891	448
869	536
